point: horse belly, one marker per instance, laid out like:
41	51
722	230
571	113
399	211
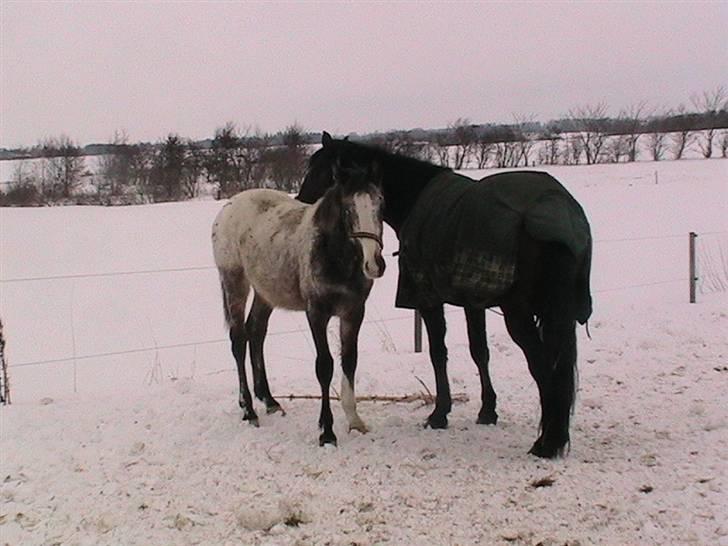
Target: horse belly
273	272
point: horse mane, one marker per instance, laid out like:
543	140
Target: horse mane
403	177
328	214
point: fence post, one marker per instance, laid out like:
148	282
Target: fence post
4	382
418	331
693	275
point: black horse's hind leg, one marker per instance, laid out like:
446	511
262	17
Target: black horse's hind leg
521	325
560	347
318	319
475	319
558	332
434	318
349	330
551	354
257	327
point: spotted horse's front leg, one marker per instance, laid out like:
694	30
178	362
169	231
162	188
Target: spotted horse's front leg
349	331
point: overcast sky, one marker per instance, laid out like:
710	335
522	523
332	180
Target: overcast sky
87	69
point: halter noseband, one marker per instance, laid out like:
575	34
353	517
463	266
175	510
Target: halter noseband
367	235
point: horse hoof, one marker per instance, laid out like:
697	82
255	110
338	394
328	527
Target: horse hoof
540	449
360	426
487	418
327	439
275	408
436	422
252	420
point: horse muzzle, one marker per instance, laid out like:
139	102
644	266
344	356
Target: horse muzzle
371	244
374	268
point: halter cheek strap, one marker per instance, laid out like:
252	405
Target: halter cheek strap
367	235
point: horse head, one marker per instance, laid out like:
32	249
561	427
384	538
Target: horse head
353	205
320	173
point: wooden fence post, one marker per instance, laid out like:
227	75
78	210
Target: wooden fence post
418	332
693	269
4	384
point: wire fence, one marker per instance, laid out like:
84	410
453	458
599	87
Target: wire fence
712	263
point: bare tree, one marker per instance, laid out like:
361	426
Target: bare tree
287	163
506	149
142	164
253	146
683	137
64	166
574	151
166	176
710	103
590	127
551	149
524	137
631	126
22	188
402	143
441	149
723	143
194	167
657	134
116	167
617	147
483	150
463	140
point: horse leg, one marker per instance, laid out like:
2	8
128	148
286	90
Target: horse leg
522	328
349	331
434	318
475	319
550	351
558	332
318	320
257	327
559	335
235	293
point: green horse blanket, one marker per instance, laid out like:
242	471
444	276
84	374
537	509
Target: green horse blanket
459	243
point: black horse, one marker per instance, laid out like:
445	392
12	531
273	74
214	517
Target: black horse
516	240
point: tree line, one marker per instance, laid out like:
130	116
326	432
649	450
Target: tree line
236	159
174	169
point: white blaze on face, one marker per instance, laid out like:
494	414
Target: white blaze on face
366	220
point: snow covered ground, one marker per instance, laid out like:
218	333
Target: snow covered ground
125	427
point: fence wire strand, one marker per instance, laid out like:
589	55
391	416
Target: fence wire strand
712	263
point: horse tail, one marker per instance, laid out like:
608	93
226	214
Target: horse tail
582	295
235	288
225	303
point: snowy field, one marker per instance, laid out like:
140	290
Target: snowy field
125	427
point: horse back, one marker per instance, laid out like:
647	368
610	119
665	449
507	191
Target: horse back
462	242
263	233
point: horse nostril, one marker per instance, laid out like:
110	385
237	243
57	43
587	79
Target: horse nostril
381	265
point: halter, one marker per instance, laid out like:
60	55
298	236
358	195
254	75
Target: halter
367	235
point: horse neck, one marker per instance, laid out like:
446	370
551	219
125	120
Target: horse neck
403	181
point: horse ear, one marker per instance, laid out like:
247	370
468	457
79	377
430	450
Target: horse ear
346	138
326	139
